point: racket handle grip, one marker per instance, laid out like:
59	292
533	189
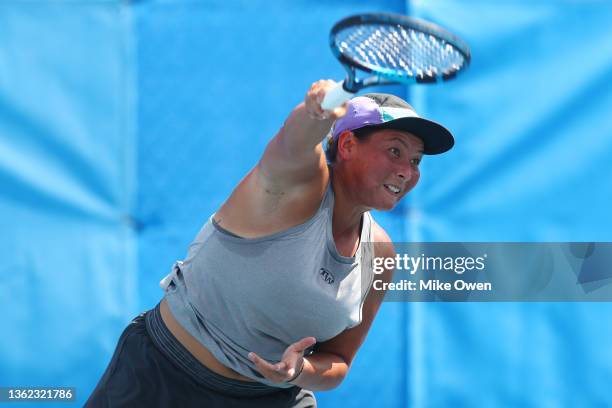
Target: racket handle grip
336	96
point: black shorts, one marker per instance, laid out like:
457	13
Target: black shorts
150	368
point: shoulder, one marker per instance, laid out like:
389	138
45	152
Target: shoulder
383	246
378	232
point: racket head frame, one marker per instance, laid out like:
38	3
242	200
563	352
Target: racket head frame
382	76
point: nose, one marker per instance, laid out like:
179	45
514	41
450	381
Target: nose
405	173
408	175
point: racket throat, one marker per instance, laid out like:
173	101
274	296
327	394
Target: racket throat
351	83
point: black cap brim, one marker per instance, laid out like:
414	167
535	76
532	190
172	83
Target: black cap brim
436	138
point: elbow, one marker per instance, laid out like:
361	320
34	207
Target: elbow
336	383
336	378
328	385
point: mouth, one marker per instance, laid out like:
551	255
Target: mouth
393	189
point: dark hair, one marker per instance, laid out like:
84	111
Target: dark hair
331	149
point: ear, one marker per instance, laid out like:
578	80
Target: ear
347	143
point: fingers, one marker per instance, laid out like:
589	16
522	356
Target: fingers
284	370
262	364
275	372
301	345
340	110
314	98
291	361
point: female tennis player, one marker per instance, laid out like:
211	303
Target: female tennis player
274	297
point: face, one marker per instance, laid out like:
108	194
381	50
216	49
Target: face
383	167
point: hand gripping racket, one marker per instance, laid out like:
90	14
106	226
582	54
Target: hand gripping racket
394	49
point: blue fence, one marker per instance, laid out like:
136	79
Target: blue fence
124	125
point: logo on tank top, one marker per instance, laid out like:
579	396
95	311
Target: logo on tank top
326	276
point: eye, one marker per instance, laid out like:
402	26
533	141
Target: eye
395	151
416	161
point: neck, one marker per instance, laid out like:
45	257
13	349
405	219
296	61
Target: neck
347	211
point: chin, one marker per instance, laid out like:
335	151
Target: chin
381	200
389	208
384	206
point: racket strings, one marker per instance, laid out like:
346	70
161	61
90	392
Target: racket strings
399	50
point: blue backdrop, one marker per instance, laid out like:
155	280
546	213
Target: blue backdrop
124	125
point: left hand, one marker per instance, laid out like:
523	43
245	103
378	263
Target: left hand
291	361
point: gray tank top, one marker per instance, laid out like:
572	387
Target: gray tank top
236	295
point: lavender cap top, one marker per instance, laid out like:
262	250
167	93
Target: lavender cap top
385	111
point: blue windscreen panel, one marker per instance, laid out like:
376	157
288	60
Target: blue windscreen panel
68	260
531	164
125	125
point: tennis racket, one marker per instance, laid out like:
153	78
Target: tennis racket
393	49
